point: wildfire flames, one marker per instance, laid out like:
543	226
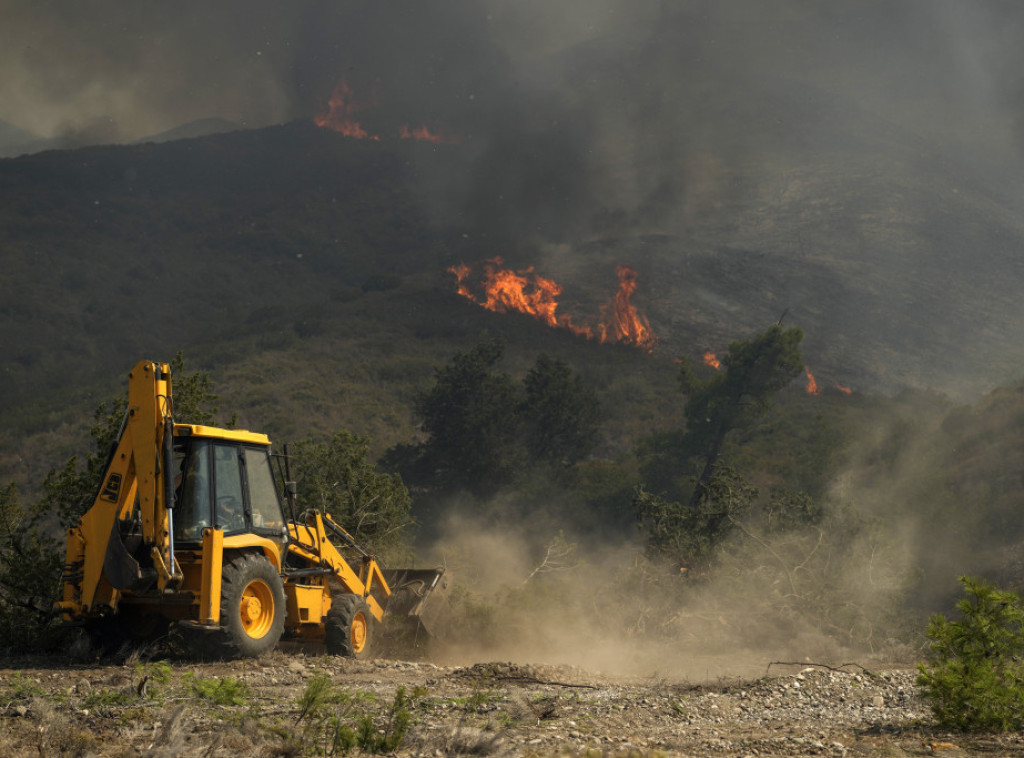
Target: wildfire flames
622	322
812	385
343	105
508	291
340	109
424	134
813	388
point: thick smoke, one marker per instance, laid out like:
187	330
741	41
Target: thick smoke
640	83
110	71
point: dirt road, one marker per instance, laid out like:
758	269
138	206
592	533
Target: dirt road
293	703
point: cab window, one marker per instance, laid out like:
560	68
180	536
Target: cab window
263	497
227	479
227	485
192	512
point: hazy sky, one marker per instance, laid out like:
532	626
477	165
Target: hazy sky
108	70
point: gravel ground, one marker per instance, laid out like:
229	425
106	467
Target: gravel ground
496	708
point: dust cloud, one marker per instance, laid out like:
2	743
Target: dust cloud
605	608
925	492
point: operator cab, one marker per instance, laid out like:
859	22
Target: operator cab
227	484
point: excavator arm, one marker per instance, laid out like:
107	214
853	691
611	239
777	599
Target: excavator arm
137	484
311	543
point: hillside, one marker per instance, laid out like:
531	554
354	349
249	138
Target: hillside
496	241
307	271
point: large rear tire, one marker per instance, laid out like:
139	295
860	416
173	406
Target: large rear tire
252	606
350	629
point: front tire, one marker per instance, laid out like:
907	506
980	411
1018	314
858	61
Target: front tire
252	606
350	629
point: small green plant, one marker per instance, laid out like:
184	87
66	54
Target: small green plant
219	691
477	700
153	678
20	687
974	677
374	740
159	672
334	725
314	696
108	698
340	736
320	693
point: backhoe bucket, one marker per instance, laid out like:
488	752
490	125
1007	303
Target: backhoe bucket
420	595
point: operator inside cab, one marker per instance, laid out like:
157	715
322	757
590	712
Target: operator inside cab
227	485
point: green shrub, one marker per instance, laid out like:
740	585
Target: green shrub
388	739
21	688
108	698
154	678
975	676
335	725
219	691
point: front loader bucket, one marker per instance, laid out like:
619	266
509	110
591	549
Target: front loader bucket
420	595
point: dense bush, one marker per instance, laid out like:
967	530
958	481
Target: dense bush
484	432
335	476
974	676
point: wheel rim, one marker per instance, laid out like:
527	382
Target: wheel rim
256	609
360	632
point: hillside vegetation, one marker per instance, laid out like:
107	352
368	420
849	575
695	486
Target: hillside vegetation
307	274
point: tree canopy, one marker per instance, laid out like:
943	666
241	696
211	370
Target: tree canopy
562	415
483	431
752	373
335	476
471	417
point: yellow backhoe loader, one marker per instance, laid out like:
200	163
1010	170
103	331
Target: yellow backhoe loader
189	527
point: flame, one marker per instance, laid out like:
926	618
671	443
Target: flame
710	359
525	292
812	385
508	291
624	323
424	134
339	117
461	271
340	108
844	390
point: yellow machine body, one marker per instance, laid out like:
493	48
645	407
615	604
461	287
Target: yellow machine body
188	525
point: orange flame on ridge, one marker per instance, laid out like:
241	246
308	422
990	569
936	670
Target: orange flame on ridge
424	134
508	291
339	117
812	385
710	359
461	271
844	390
340	108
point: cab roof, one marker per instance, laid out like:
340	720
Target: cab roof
213	432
